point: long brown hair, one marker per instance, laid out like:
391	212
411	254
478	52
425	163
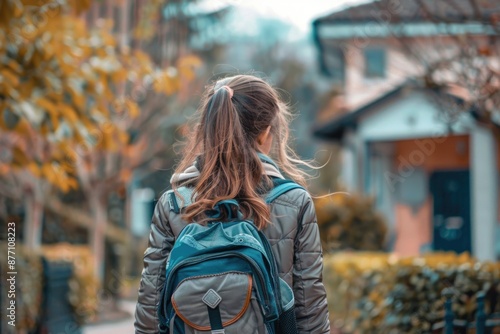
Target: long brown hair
224	145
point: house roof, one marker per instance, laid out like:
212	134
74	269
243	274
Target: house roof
336	128
409	18
416	11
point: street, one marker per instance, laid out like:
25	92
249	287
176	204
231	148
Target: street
125	326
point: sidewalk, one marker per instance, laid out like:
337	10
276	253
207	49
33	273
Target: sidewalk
125	326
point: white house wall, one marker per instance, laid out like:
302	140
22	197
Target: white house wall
413	115
359	89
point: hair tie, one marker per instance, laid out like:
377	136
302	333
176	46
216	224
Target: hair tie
229	90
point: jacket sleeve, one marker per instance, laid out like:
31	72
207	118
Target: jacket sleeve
161	240
311	307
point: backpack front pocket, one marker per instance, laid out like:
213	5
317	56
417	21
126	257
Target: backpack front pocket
198	299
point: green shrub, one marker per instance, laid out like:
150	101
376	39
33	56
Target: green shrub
377	293
350	222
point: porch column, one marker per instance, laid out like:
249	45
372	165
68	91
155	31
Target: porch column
484	192
353	161
381	162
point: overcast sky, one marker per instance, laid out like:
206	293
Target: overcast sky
298	12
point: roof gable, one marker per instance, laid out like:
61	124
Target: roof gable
405	112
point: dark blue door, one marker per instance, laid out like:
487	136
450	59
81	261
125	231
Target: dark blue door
451	210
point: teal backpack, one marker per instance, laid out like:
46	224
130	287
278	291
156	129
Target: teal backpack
223	277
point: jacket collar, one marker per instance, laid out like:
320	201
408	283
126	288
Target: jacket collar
269	168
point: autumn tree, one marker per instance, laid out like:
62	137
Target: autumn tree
70	115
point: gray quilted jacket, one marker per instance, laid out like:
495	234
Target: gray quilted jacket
295	241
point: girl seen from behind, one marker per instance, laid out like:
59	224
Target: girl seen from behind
239	145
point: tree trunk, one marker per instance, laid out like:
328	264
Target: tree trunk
33	220
97	232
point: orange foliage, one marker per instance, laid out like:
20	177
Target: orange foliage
60	83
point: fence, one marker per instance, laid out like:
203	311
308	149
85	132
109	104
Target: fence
482	324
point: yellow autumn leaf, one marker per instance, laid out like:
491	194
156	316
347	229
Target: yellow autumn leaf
73	183
54	120
166	84
60	177
108	40
132	108
9	77
67	167
123	137
66	187
16	8
14	66
63	186
187	66
47	105
26	89
3	109
18	157
80	5
189	60
65	67
68	113
47	172
78	99
142	57
119	75
34	169
105	141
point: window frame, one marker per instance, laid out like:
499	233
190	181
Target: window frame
368	72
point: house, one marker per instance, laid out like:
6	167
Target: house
432	167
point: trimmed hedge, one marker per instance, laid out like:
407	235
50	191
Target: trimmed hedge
84	289
28	287
379	293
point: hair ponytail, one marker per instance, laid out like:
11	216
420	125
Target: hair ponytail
229	165
232	114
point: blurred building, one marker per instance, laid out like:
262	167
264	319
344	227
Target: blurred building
432	167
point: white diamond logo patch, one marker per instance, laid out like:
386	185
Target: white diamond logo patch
211	298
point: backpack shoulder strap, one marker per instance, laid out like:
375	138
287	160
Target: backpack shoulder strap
176	202
281	186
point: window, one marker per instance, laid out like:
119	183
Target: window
375	63
334	61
